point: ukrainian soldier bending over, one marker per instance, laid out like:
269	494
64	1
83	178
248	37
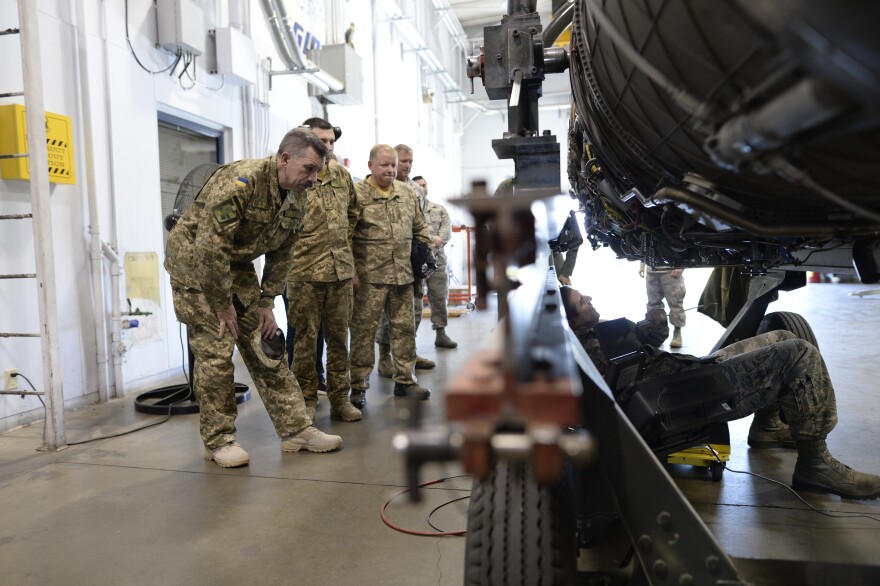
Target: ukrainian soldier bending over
772	368
389	219
246	210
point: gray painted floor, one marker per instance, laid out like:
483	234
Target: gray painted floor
146	508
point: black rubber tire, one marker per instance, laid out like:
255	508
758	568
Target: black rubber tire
519	532
717	470
792	322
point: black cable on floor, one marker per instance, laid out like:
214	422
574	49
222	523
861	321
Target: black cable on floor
184	391
793	491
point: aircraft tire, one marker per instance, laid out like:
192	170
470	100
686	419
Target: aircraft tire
790	321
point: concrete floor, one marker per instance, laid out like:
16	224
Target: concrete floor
146	508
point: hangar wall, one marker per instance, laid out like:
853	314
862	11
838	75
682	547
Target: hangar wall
118	157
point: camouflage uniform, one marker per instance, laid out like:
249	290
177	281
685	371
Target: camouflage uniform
437	219
382	243
319	284
418	284
240	214
660	283
776	367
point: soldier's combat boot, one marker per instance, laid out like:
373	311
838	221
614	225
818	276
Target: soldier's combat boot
358	398
423	363
345	411
444	341
228	456
411	390
386	364
818	471
676	338
768	431
312	439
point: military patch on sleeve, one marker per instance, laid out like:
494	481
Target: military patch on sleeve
241	181
226	212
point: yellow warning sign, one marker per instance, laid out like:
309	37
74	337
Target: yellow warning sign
13	141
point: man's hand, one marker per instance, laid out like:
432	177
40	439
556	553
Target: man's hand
356	282
677	272
228	321
642	270
438	243
564	280
266	322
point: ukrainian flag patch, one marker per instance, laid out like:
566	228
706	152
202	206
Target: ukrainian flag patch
241	182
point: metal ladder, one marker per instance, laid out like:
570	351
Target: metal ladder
54	433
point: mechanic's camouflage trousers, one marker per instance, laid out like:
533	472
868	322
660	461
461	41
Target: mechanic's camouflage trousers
662	284
779	367
213	379
438	294
370	301
309	304
418	291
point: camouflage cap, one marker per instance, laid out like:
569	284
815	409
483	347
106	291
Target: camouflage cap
271	351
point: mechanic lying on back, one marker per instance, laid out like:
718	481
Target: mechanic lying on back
775	367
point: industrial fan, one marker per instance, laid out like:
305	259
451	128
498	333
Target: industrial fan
180	399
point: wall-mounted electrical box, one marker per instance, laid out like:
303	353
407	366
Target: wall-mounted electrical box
236	57
342	62
13	141
181	26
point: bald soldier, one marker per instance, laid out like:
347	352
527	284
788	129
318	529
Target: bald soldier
386	364
389	219
247	209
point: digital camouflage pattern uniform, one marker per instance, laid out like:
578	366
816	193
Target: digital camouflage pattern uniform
660	283
418	284
437	219
772	368
319	284
382	242
239	215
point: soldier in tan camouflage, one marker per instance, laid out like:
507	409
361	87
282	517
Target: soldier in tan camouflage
440	229
772	368
389	220
245	210
319	284
386	363
669	283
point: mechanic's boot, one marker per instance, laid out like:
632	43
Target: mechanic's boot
386	364
423	363
816	470
444	341
768	431
411	390
343	410
676	338
358	398
228	456
312	439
